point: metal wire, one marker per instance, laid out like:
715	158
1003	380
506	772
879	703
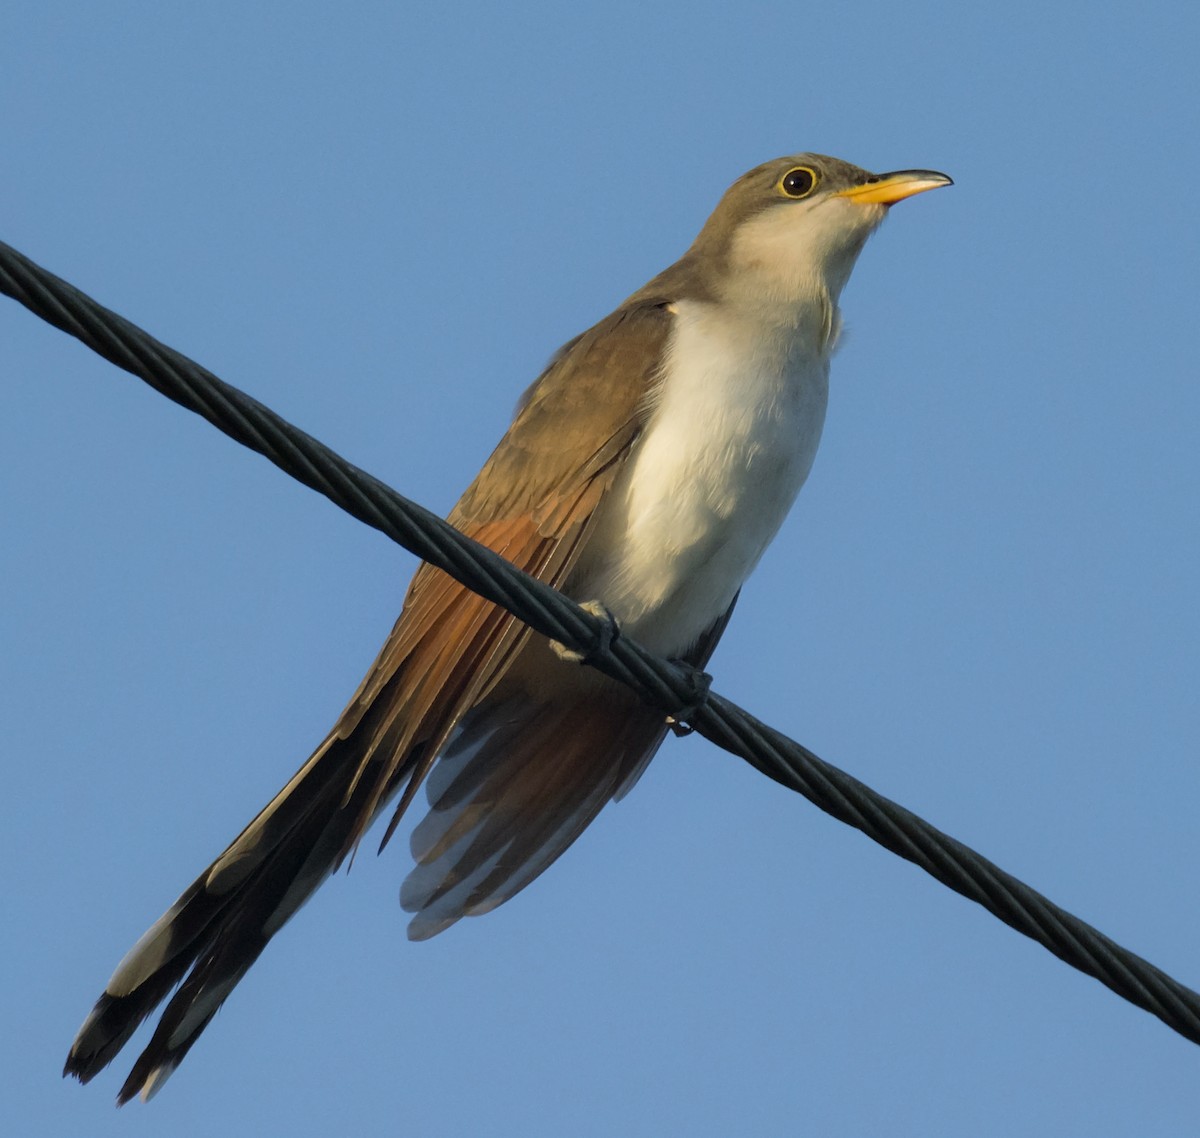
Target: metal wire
679	691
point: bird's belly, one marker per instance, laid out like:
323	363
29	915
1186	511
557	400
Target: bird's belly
711	480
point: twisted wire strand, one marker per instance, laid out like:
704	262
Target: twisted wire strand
667	685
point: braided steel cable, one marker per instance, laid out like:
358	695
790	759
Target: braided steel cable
679	691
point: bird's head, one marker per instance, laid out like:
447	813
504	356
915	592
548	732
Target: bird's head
793	227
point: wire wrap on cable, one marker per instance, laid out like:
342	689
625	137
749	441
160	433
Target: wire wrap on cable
665	685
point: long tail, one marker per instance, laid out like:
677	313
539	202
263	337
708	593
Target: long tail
225	918
540	752
443	648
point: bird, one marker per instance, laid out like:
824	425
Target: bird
644	473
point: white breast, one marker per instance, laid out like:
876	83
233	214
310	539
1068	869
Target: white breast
729	444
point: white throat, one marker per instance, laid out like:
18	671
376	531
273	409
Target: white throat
791	258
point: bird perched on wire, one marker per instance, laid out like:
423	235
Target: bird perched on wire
645	472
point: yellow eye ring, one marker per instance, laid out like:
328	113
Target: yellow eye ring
798	182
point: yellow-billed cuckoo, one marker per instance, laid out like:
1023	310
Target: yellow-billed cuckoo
647	469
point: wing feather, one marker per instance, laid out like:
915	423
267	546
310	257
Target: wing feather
450	652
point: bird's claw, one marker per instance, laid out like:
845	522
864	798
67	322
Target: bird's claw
680	722
609	631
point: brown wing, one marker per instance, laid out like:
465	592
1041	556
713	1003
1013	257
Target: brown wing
533	502
449	656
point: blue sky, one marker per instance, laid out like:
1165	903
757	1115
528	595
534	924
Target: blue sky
381	221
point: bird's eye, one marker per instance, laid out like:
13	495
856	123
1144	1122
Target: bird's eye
798	183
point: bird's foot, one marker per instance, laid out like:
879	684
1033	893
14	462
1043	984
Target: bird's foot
609	631
680	723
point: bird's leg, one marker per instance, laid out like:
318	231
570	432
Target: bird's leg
609	631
